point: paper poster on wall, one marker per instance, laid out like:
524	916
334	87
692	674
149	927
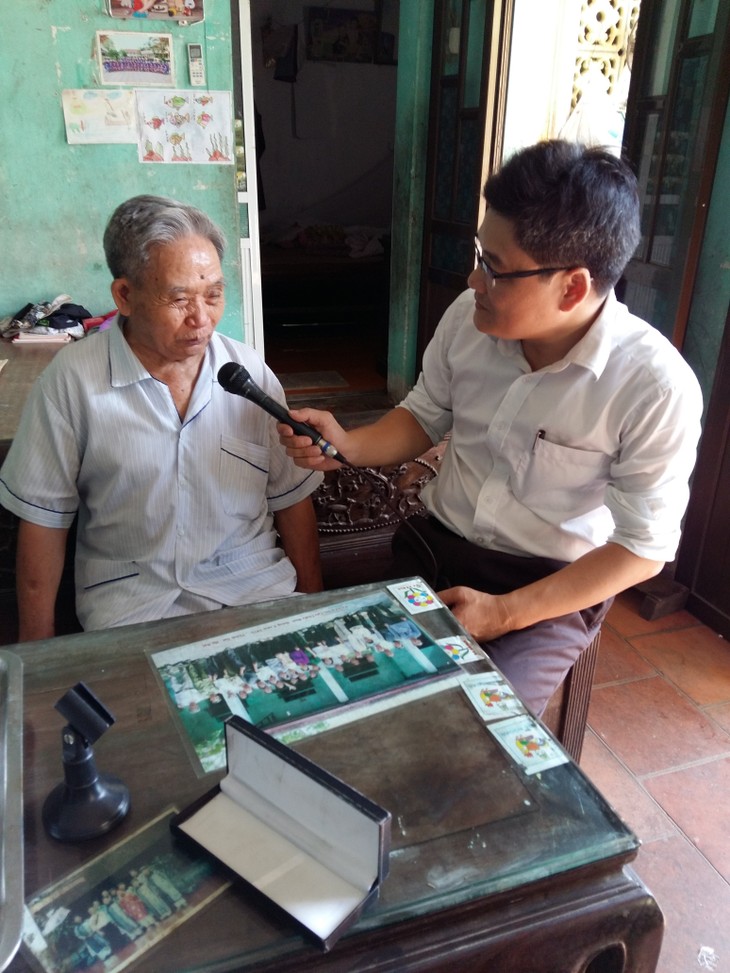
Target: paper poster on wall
94	116
181	11
185	126
135	58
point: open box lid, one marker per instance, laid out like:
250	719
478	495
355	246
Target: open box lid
312	844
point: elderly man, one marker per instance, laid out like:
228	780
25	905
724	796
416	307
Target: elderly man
185	499
573	423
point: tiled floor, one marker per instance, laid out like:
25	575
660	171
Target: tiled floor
658	748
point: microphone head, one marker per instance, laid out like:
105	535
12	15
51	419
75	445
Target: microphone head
230	371
236	379
232	376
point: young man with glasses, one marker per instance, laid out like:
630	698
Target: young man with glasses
573	424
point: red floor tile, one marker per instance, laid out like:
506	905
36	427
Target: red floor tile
696	798
624	793
660	703
625	618
617	660
696	904
696	659
720	714
651	727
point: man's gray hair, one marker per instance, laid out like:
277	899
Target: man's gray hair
144	222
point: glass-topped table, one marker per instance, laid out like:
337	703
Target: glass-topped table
489	864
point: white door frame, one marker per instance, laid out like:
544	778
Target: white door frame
250	246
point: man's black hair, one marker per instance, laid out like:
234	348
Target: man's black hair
571	206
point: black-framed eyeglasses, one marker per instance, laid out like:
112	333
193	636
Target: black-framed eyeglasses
493	275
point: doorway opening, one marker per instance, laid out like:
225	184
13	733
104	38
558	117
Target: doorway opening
485	105
324	83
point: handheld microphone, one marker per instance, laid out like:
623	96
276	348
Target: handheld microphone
236	379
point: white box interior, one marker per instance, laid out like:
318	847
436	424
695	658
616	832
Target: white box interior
305	846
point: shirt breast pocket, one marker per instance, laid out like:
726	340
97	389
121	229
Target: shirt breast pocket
243	476
562	479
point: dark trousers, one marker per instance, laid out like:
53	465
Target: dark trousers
535	659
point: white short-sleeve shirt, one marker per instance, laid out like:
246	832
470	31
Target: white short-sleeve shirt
597	447
173	515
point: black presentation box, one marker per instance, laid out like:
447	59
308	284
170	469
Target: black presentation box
313	845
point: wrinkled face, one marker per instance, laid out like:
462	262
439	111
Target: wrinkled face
517	308
173	311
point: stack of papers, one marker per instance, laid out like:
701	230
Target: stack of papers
35	338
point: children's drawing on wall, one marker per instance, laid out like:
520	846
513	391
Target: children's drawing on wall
135	58
94	116
185	126
181	11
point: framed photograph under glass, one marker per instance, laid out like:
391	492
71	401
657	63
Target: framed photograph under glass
299	673
110	912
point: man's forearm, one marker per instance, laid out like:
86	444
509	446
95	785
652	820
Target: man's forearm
39	565
297	528
591	579
396	437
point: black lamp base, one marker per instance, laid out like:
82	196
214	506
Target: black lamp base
78	813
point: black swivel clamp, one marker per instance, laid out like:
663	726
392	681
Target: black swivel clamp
85	804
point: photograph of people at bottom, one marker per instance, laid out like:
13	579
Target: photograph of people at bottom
298	666
112	911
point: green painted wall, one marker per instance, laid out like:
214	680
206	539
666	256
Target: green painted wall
56	198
